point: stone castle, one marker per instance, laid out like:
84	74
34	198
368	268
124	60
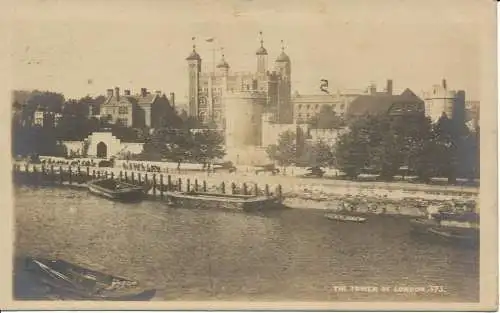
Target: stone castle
240	102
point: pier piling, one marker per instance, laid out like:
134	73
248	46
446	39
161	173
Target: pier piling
161	186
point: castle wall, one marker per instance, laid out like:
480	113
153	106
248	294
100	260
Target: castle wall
243	118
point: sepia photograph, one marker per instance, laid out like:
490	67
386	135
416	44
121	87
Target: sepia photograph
250	154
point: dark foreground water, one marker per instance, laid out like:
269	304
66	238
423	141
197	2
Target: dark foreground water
287	255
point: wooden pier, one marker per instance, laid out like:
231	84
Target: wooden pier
158	183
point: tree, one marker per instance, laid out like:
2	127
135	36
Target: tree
382	143
326	119
208	146
351	153
285	151
322	154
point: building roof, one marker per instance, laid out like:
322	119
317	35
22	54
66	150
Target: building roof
135	99
283	57
222	63
383	103
261	51
194	55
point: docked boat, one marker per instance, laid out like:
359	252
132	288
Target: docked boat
454	227
345	218
116	190
69	281
222	201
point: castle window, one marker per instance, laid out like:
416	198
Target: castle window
317	106
342	106
122	121
300	107
123	110
308	106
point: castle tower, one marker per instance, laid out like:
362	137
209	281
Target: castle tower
284	108
194	70
261	58
223	66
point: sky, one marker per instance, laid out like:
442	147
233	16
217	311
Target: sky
85	47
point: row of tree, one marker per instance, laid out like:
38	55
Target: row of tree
181	139
384	145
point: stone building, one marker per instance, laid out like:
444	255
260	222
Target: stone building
142	110
442	100
211	94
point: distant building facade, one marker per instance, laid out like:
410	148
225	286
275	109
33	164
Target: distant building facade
441	100
386	103
142	110
45	119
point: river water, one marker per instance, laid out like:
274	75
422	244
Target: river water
196	254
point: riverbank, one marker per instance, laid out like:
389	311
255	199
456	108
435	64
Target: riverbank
297	194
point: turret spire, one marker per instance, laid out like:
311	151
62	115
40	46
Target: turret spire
261	50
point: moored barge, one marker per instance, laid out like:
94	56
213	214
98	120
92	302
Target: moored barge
223	201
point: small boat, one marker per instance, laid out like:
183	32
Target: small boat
345	218
223	201
117	190
69	281
450	227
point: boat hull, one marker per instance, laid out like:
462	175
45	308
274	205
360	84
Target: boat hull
226	202
433	230
69	281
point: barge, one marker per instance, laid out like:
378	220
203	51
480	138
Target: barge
223	201
116	190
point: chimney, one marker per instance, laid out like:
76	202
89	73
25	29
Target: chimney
172	99
109	92
444	84
117	93
389	86
144	92
126	92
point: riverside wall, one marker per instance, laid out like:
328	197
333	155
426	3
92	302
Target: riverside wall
306	193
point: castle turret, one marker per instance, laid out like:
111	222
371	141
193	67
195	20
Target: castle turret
223	66
284	109
194	70
261	58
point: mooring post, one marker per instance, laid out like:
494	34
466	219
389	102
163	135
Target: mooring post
60	175
139	178
244	188
146	181
121	175
267	190
188	185
161	186
69	175
279	192
132	177
223	187
26	168
256	189
233	188
204	186
88	172
126	177
196	185
169	183
180	184
113	175
154	184
93	174
79	170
